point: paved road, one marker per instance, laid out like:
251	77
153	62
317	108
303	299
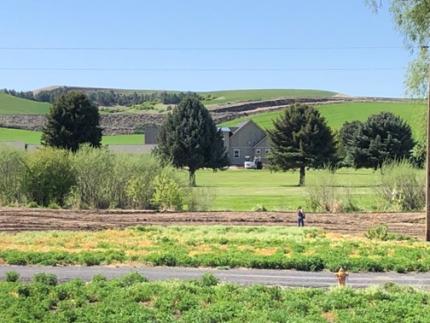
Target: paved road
240	276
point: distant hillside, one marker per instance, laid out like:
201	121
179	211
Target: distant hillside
236	96
336	114
12	105
156	101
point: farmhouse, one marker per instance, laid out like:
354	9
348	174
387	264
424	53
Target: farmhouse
245	142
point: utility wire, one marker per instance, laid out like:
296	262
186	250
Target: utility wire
186	69
346	48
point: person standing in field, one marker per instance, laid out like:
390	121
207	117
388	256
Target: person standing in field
300	217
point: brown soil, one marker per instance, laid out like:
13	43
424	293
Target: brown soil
18	219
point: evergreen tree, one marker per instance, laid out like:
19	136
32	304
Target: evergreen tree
301	139
189	138
72	120
346	136
383	137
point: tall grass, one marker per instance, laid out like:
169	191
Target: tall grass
325	194
402	187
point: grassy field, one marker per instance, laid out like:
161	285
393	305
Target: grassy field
235	96
13	105
216	246
245	190
33	137
337	114
133	299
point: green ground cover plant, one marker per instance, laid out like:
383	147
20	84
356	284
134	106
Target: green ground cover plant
133	299
219	246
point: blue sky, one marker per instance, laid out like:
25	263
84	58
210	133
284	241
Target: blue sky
335	24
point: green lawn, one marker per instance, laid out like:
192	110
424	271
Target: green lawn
13	105
337	114
245	190
234	96
33	137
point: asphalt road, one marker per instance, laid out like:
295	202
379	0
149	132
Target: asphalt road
286	278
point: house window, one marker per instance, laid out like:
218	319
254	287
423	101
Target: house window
258	151
236	153
267	151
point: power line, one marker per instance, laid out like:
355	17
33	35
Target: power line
187	69
346	48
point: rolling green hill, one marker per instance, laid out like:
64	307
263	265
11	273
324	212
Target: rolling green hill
235	96
336	114
12	105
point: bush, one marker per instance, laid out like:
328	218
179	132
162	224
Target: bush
208	280
168	194
381	232
12	276
45	279
139	187
322	192
402	188
94	175
50	176
12	176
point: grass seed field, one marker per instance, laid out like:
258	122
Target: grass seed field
13	105
133	299
236	96
336	114
273	247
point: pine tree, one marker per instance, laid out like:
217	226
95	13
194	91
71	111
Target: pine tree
383	137
346	138
301	139
189	138
72	120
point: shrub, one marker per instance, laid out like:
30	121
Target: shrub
401	189
12	276
12	172
94	170
381	232
322	192
45	279
168	194
50	176
139	187
208	280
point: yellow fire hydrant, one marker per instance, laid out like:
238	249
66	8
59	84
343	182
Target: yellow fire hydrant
341	276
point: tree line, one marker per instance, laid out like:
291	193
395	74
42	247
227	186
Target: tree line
104	97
